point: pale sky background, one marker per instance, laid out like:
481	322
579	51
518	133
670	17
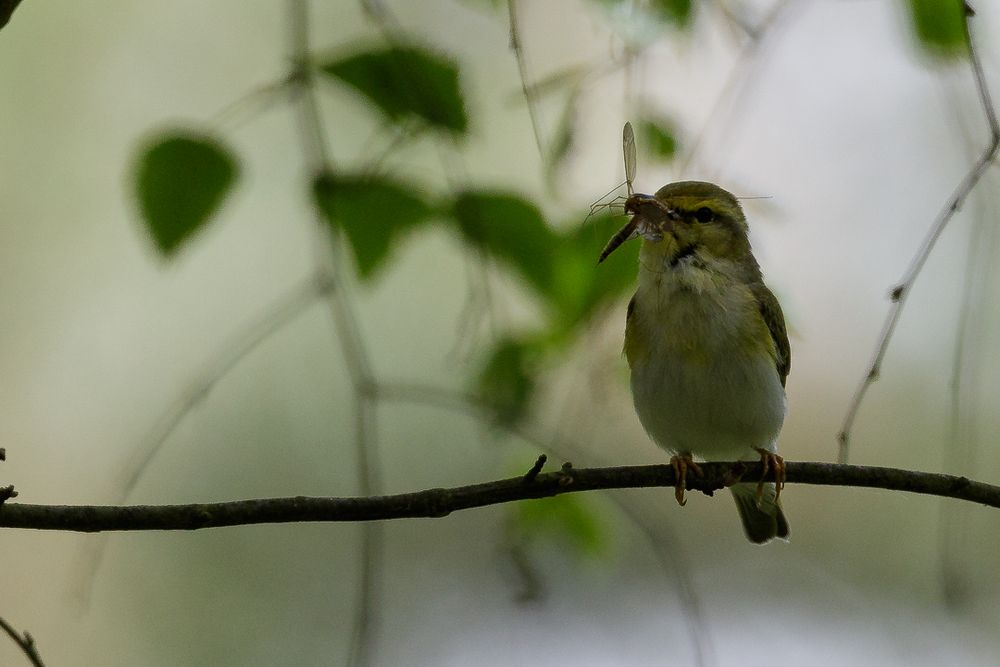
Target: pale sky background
856	138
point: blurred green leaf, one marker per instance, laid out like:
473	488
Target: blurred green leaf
939	26
506	381
677	12
374	213
657	137
581	286
181	178
405	82
567	517
510	229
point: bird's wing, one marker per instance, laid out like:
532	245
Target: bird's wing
630	345
770	310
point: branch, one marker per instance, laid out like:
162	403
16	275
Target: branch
441	502
902	289
24	641
7	8
530	95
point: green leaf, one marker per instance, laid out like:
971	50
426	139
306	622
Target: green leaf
506	381
404	82
374	213
939	26
510	229
657	137
181	179
677	12
567	517
581	286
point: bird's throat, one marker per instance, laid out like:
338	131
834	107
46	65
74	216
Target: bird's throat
684	252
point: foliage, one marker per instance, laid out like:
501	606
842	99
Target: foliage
181	178
569	518
510	229
374	214
940	26
404	82
658	138
507	380
675	11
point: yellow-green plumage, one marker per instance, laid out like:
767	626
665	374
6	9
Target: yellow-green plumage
705	339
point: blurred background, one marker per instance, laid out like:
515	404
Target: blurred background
468	329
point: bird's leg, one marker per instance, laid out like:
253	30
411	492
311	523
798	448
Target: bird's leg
680	463
770	460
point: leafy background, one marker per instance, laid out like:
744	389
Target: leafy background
171	332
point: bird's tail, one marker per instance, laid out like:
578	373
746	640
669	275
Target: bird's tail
764	521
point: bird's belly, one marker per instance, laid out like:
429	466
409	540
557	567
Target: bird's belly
720	407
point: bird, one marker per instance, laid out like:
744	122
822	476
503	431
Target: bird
706	344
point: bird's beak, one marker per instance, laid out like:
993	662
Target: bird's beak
650	219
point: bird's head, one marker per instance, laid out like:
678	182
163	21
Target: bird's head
687	219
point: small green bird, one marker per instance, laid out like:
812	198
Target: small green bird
706	342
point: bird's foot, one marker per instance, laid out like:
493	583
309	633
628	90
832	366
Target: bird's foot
770	460
680	463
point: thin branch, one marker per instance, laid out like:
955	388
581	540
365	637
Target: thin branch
236	348
7	8
530	96
662	542
25	642
960	448
372	539
283	311
314	146
436	503
738	79
902	290
314	142
254	103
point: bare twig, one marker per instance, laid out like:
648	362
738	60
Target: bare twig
530	96
535	469
285	309
6	493
314	146
901	291
662	542
738	80
436	503
960	448
277	315
7	8
25	641
253	103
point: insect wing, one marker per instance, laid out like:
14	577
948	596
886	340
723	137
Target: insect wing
628	152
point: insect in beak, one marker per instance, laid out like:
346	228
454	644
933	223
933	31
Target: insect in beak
626	233
651	219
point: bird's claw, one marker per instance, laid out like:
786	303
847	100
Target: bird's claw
770	460
680	463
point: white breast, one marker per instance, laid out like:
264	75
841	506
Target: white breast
701	388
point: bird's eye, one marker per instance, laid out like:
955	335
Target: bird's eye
704	214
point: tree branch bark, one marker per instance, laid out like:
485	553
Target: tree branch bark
25	642
7	8
441	502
